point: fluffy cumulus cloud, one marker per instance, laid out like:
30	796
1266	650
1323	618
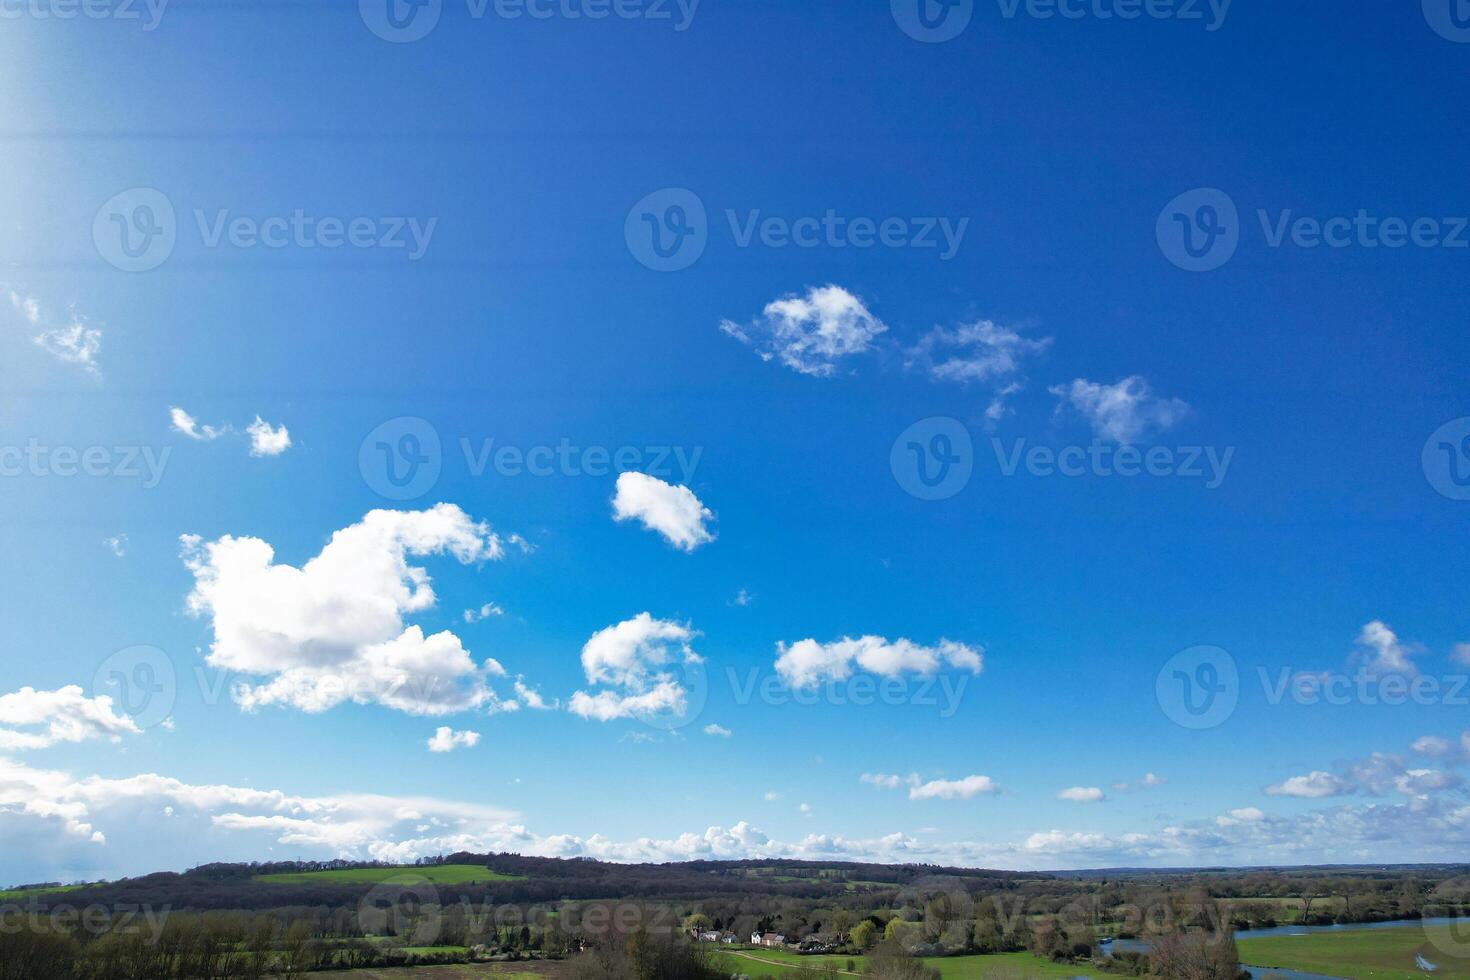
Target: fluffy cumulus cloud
954	789
811	334
1380	650
719	731
266	439
1082	794
981	353
672	511
187	425
446	739
71	338
32	719
935	789
637	663
1126	412
1380	774
333	629
807	663
94	827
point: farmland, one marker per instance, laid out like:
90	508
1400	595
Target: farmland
1368	954
778	964
435	874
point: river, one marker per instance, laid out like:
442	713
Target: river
1262	973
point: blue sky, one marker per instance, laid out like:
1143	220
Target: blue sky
1060	153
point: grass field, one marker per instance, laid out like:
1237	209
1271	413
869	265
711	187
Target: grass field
438	874
779	963
1367	954
18	894
469	971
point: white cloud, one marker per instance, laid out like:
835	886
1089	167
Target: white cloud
1246	814
887	780
447	739
483	613
1460	654
54	823
75	341
772	796
32	719
1149	781
1382	652
1314	785
636	657
810	334
266	440
978	353
1082	794
185	424
117	544
674	512
742	598
804	809
1125	412
954	789
807	663
333	629
719	731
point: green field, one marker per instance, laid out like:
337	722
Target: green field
1364	954
779	963
17	894
467	971
437	874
